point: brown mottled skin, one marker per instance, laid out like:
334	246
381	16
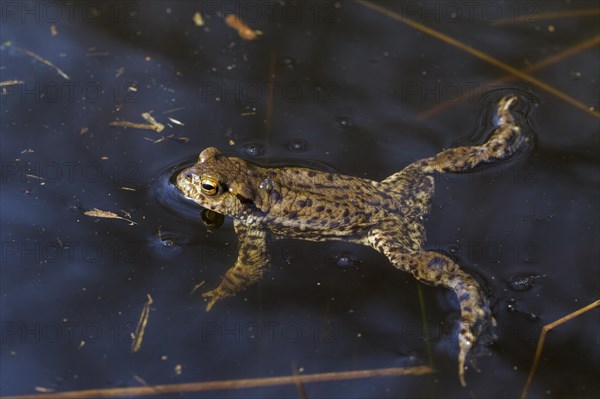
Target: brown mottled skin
314	205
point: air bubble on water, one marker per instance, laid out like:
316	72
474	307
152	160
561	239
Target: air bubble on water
166	245
288	256
297	145
345	260
167	241
532	316
452	248
253	149
511	306
75	205
288	63
345	122
523	282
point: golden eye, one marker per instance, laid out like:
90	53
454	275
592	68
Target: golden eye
210	186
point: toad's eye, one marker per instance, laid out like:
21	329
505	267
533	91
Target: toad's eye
209	186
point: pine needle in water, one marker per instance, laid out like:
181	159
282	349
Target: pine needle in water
138	334
39	58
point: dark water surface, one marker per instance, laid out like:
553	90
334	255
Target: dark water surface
335	85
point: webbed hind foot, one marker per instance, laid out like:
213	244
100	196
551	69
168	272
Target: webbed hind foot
475	315
507	139
437	269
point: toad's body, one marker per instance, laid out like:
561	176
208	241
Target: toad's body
314	205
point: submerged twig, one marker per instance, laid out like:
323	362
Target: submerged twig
228	384
542	338
425	325
531	68
298	382
134	125
478	54
152	124
583	12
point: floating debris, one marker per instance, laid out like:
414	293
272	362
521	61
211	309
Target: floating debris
138	334
39	58
151	125
243	30
175	121
178	369
140	380
198	20
200	284
150	119
105	214
11	83
127	214
173	110
34	176
183	139
44	389
134	125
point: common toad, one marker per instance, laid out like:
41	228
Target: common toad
314	205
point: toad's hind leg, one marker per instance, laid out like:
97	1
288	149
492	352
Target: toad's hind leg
506	140
436	269
252	260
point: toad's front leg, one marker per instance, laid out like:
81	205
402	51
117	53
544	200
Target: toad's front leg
252	260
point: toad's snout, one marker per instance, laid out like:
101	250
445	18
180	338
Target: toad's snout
188	180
